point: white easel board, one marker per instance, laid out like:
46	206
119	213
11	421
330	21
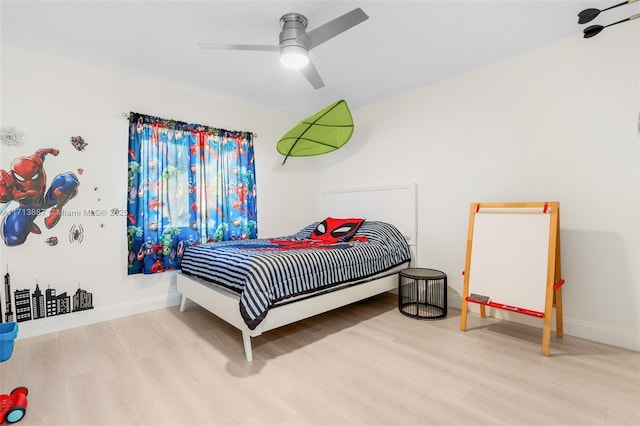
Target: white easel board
513	262
509	257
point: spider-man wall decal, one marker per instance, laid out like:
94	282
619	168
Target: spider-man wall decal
26	184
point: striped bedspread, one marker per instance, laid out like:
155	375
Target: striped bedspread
265	271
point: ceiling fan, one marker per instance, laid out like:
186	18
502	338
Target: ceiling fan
296	42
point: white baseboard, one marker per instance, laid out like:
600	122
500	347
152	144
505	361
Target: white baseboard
602	334
78	319
571	327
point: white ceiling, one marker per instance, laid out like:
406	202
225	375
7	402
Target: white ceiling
403	45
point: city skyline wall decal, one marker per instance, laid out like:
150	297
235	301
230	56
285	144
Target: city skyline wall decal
38	304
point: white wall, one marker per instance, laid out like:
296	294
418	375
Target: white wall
51	99
559	123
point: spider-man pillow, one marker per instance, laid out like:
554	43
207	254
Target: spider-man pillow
333	230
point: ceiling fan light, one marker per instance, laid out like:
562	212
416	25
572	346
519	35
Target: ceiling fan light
294	57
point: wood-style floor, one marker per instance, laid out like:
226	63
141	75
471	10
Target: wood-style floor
365	364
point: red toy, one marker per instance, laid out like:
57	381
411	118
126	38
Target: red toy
13	406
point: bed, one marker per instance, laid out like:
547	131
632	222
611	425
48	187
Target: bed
258	285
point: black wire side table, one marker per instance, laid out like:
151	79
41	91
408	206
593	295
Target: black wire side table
422	293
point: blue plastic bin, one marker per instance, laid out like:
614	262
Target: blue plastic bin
8	334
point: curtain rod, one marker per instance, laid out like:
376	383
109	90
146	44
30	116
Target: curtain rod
126	115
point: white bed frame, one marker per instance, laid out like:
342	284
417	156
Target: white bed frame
393	204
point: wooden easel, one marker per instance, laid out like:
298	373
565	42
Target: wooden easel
554	281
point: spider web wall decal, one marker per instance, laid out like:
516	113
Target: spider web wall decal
10	136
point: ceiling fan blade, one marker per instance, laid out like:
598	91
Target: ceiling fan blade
311	73
334	27
258	47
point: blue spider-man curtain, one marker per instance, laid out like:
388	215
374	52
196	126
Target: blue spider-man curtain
188	184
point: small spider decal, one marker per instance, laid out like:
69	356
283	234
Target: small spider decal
52	241
76	234
78	143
